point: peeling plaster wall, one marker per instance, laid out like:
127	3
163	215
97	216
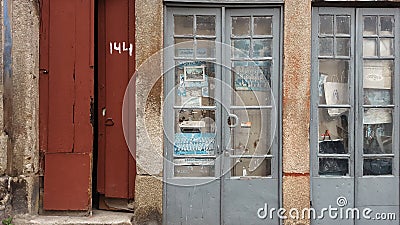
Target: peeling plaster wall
19	88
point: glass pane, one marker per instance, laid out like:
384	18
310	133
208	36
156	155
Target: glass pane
194	83
194	135
326	46
333	167
252	84
205	25
194	170
378	167
333	82
378	75
326	24
377	116
194	126
386	25
244	167
241	26
262	25
343	46
377	97
241	48
370	25
183	25
262	47
333	131
184	47
386	47
369	47
378	129
205	48
342	24
252	133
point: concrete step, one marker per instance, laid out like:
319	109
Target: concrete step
99	217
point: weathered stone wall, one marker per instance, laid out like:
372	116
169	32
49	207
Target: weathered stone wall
149	120
19	104
296	106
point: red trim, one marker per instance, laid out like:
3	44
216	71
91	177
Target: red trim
296	174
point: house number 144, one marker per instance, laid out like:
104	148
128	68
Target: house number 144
121	47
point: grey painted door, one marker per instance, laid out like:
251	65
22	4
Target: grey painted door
222	76
355	115
251	157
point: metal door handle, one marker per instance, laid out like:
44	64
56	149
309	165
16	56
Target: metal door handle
236	118
226	153
109	122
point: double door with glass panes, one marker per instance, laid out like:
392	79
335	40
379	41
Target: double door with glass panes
221	94
355	115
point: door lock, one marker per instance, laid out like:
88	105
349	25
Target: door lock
226	153
233	120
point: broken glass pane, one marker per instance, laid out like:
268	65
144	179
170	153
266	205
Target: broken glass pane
333	167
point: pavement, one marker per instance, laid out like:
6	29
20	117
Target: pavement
98	217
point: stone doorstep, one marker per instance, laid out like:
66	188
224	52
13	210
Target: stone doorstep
99	217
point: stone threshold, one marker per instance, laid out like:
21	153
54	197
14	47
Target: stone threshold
98	217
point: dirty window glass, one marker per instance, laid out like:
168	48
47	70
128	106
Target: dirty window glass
334	94
343	82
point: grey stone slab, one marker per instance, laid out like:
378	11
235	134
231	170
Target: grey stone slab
98	217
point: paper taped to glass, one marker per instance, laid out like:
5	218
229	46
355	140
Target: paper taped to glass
377	75
336	94
377	116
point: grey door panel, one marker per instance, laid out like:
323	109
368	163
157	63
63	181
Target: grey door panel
243	198
193	205
381	191
389	216
326	192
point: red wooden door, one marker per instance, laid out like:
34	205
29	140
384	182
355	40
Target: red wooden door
66	95
116	168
